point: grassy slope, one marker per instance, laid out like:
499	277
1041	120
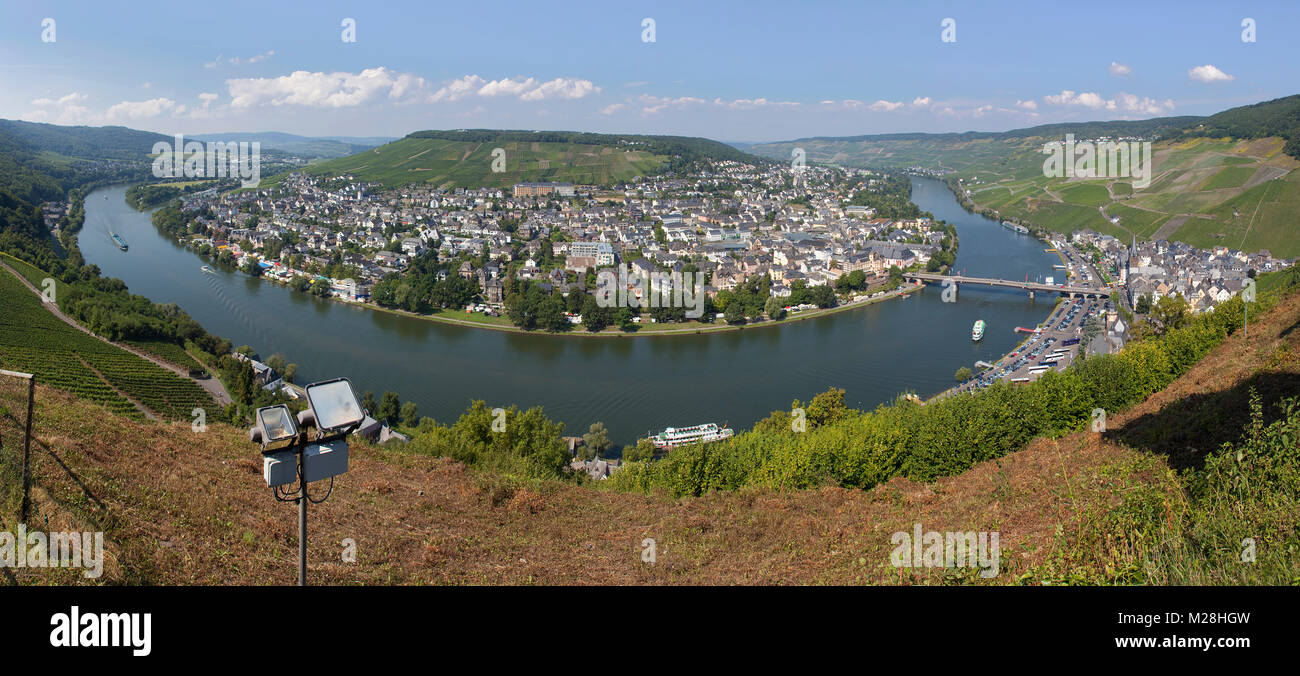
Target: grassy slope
442	162
181	507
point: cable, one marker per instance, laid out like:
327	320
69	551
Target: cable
327	494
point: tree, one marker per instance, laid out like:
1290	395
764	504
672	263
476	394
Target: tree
594	317
734	314
276	362
1143	304
410	414
597	439
368	402
1170	312
823	296
774	308
389	407
963	374
624	317
290	372
550	314
644	450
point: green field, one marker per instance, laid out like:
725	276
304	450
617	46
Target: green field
33	340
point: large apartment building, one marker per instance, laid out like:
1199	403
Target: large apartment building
540	189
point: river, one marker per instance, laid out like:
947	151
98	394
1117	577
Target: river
632	384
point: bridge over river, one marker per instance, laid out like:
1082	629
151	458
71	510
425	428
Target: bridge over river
1031	287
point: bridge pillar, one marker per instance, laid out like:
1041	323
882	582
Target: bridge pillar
1031	294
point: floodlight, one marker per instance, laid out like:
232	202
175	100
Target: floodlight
334	404
276	423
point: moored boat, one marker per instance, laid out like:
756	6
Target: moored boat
696	434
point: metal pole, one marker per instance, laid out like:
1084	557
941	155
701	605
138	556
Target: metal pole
302	519
27	451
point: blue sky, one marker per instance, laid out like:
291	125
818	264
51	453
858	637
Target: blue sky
737	71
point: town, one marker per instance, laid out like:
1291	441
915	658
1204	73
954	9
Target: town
795	228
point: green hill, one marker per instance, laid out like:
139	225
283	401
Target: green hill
464	158
1224	180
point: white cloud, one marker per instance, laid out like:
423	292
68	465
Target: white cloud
1122	102
1119	69
507	87
653	104
749	104
612	108
63	110
561	88
921	101
527	89
322	90
135	110
1208	73
458	89
1027	105
884	106
71	98
237	61
1069	97
1144	104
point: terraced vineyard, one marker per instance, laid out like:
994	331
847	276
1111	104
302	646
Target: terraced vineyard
34	340
170	352
1206	192
444	162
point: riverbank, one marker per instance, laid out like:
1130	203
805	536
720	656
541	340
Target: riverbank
479	321
645	329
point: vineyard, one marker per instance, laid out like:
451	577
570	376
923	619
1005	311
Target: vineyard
169	352
35	341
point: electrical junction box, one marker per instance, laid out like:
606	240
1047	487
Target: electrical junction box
322	461
280	468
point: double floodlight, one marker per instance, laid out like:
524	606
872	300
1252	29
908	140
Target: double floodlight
334	406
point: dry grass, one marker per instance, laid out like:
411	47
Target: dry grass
180	507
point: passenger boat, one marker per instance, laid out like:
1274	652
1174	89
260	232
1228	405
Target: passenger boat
117	239
977	331
697	434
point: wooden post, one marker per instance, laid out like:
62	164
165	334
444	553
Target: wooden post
27	451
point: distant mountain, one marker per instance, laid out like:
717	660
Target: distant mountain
464	158
96	143
302	146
